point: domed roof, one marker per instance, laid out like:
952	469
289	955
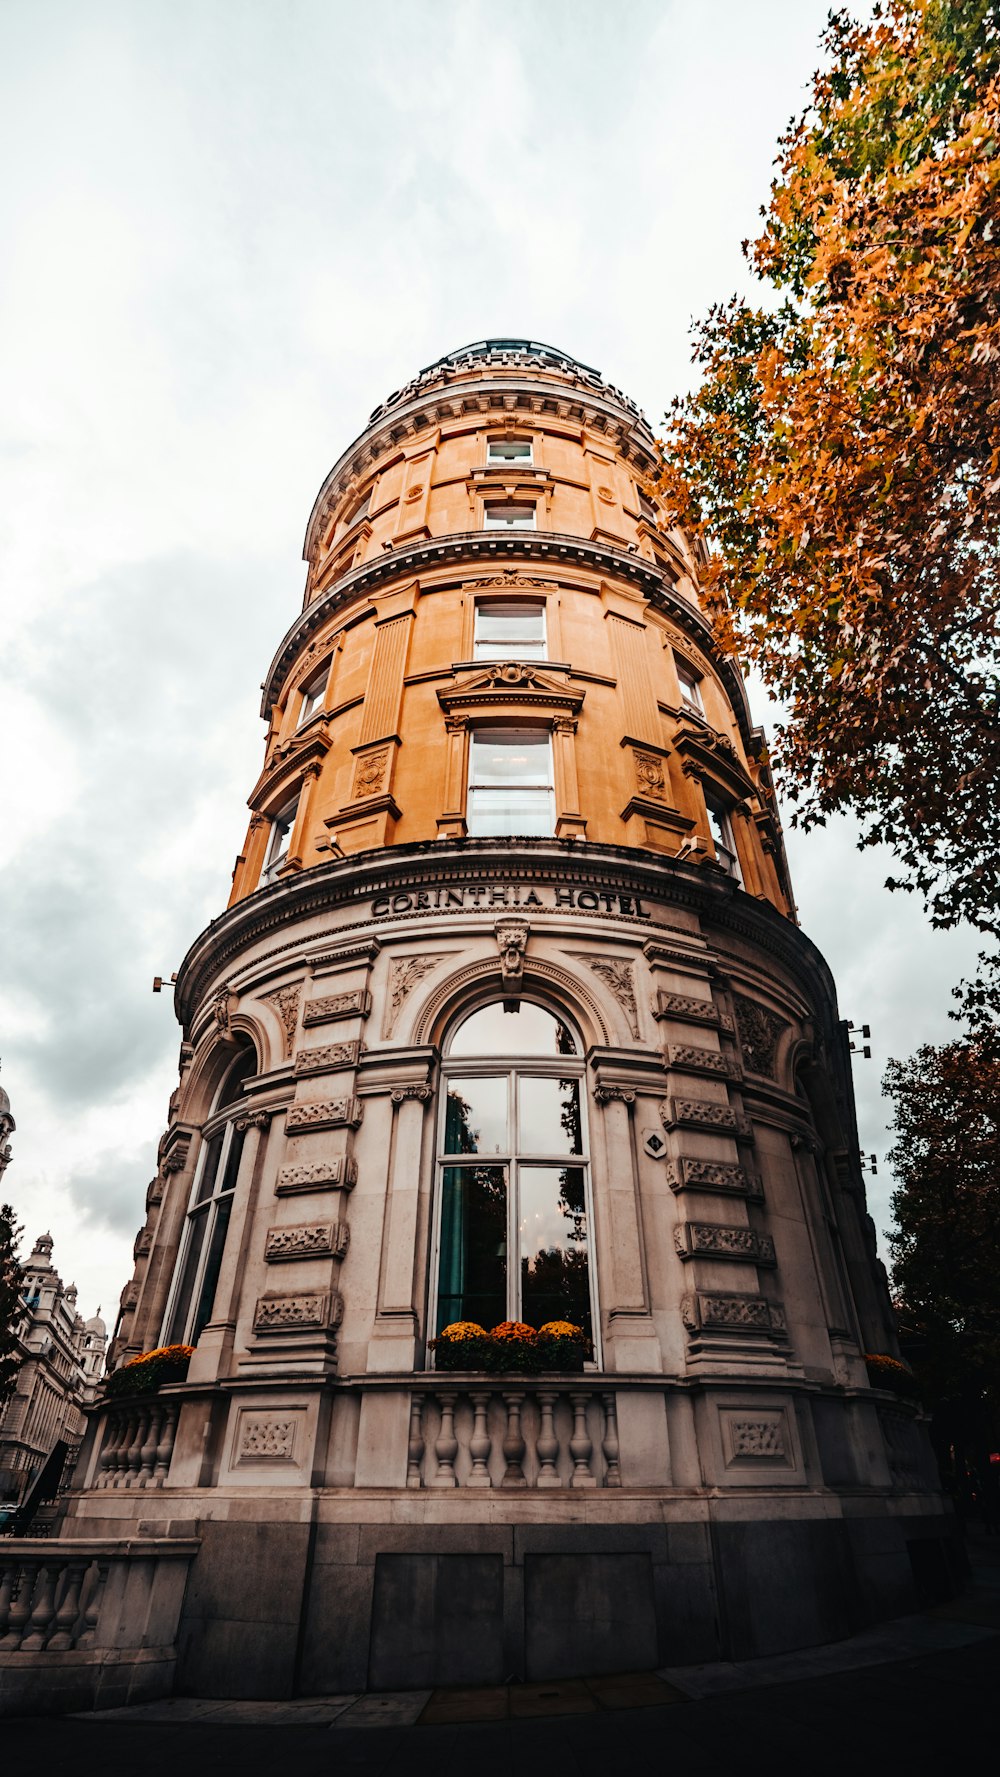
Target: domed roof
96	1325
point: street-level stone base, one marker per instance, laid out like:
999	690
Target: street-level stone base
369	1591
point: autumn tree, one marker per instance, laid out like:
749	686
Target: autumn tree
945	1242
11	1282
841	457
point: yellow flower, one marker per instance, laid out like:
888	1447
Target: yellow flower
561	1329
462	1329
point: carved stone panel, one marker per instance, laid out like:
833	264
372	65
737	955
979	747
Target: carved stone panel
705	1113
649	775
267	1437
337	1005
324	1113
291	1314
285	1001
338	1174
369	773
755	1436
708	1311
691	1059
617	975
759	1032
311	1240
328	1059
688	1174
711	1240
404	973
688	1008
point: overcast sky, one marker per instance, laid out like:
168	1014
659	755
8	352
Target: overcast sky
230	228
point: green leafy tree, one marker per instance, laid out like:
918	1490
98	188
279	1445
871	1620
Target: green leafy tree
11	1284
945	1242
841	457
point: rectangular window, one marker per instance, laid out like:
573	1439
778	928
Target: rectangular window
510	783
690	686
312	696
509	450
277	850
510	630
647	508
721	830
501	516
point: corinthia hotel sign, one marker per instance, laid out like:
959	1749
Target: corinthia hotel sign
484	898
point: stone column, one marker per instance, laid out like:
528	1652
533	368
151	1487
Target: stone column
393	1343
632	1343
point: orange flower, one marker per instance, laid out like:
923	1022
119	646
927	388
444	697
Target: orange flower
510	1330
561	1329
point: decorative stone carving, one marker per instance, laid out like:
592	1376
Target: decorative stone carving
129	1298
267	1440
220	1006
154	1192
399	1093
705	1113
511	672
339	1174
312	1240
337	1005
512	939
404	973
176	1160
711	1240
649	774
255	1120
617	974
369	773
759	1030
324	1113
695	1060
687	1174
605	1094
705	1310
328	1059
687	1007
757	1440
285	1001
287	1314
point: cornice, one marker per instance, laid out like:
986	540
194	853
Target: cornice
465	550
710	895
450	393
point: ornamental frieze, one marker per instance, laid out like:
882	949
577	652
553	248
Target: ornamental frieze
290	1314
689	1008
695	1240
311	1240
324	1113
338	1174
328	1059
705	1113
709	1312
691	1059
331	1006
686	1173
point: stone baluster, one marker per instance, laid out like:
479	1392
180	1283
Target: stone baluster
44	1609
108	1449
480	1444
147	1455
117	1422
446	1444
513	1443
548	1443
580	1443
7	1578
165	1447
119	1467
609	1443
69	1608
133	1457
20	1604
93	1610
415	1442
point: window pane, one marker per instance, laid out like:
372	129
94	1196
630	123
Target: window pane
502	756
552	1232
504	450
476	1116
213	1265
494	813
472	1282
182	1306
498	622
233	1161
206	1183
507	518
531	1030
549	1116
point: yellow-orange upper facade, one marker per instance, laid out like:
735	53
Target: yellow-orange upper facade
497	638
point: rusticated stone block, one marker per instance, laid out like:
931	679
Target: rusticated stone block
328	1059
708	1311
694	1060
290	1314
324	1113
357	1004
688	1174
712	1240
339	1174
705	1113
310	1240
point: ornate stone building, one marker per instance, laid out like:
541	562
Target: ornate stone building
62	1357
509	1017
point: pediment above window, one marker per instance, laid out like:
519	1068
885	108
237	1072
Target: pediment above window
288	759
518	685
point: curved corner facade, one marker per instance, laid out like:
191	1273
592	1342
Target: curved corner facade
509	1017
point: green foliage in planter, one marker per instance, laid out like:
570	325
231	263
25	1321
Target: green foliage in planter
145	1374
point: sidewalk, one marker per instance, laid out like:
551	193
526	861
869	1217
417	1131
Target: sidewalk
918	1688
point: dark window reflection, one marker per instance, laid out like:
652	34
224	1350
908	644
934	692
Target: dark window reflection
473	1277
476	1116
552	1235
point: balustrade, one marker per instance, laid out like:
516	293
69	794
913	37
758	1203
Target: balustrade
137	1444
513	1438
51	1593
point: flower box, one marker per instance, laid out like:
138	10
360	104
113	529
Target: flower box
559	1348
145	1374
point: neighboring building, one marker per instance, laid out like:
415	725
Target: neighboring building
509	1017
62	1358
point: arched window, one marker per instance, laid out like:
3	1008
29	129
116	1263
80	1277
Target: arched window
512	1229
209	1210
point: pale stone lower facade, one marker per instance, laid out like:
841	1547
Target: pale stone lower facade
722	1482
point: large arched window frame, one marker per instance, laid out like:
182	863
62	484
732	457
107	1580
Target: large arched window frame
210	1205
513	1173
